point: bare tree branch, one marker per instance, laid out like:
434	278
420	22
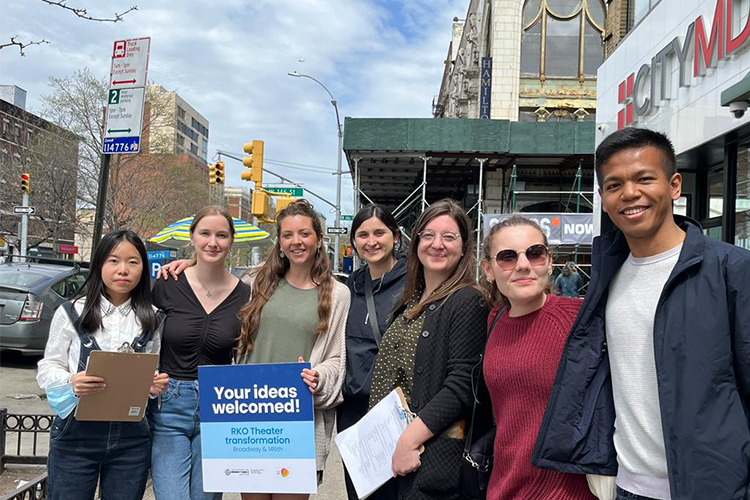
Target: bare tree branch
83	14
21	45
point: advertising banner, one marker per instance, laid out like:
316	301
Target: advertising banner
257	429
561	229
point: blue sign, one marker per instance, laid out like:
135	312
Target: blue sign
257	429
154	267
112	145
485	89
160	255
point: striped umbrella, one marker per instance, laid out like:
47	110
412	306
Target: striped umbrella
177	234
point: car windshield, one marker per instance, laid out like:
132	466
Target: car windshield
20	277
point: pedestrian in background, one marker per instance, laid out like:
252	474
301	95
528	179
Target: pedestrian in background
116	309
521	357
568	282
201	329
434	340
298	311
374	288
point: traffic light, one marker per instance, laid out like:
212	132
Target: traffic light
25	183
282	203
212	178
261	204
219	172
254	162
346	250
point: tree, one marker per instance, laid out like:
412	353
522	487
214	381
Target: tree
78	12
146	191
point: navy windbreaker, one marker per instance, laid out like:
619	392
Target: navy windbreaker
702	353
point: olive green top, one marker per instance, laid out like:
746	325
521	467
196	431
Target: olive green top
287	326
394	365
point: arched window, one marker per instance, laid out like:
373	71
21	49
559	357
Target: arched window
562	38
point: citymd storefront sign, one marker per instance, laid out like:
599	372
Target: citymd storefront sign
642	91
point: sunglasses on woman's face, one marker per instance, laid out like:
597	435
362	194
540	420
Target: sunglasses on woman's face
535	254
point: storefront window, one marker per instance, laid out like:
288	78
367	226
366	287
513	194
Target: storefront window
716	193
713	232
742	202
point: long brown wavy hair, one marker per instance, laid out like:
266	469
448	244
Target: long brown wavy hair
461	277
490	289
266	279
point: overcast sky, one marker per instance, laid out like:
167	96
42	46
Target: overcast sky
229	59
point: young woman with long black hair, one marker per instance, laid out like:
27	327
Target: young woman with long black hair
116	309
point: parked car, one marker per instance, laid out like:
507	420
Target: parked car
29	294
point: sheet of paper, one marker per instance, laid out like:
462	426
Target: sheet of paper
367	446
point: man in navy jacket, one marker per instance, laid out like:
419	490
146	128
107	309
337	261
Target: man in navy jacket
654	383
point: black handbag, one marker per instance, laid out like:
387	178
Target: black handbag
476	467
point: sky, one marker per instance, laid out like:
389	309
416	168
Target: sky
229	59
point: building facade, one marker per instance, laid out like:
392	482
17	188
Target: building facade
238	202
175	127
686	75
49	154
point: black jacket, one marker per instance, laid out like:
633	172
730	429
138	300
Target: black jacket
453	337
702	351
361	347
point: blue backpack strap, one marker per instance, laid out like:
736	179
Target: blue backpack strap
139	342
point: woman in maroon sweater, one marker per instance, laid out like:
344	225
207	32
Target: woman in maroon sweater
521	358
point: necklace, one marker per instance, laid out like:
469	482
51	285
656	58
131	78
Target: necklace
208	292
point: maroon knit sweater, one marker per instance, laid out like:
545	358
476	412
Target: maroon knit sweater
519	367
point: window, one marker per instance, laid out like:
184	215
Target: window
69	286
194	149
6	126
204	149
180	140
638	10
742	201
554	32
180	112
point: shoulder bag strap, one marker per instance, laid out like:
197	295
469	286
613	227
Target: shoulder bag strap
476	378
372	315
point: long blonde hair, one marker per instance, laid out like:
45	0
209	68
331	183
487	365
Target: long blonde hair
490	289
266	280
462	276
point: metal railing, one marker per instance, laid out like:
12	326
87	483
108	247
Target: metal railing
23	427
36	489
15	433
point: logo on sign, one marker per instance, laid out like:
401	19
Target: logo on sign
644	90
119	49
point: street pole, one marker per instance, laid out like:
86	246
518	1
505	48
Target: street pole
25	228
339	152
101	203
338	193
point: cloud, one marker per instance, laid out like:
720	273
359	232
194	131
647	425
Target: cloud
230	60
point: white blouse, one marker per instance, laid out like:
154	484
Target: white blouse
63	350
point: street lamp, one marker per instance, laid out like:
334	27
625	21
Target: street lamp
339	152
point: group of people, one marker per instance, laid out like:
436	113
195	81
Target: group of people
647	380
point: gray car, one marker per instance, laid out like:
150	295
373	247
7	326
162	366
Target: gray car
29	294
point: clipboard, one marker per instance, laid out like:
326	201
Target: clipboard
128	377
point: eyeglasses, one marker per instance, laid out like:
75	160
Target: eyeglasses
535	254
447	238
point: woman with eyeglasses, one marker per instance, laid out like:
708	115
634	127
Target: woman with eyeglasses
521	358
436	336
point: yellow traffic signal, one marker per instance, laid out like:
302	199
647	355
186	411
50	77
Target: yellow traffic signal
254	162
219	172
261	204
212	178
25	183
282	203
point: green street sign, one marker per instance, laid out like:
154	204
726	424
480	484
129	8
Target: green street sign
347	217
295	191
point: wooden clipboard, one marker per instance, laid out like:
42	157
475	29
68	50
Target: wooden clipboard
128	377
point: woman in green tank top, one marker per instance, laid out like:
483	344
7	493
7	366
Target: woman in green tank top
297	311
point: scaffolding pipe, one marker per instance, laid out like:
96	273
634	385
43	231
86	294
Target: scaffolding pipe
479	214
356	185
425	159
398	208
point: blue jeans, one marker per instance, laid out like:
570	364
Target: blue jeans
82	454
176	456
626	495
